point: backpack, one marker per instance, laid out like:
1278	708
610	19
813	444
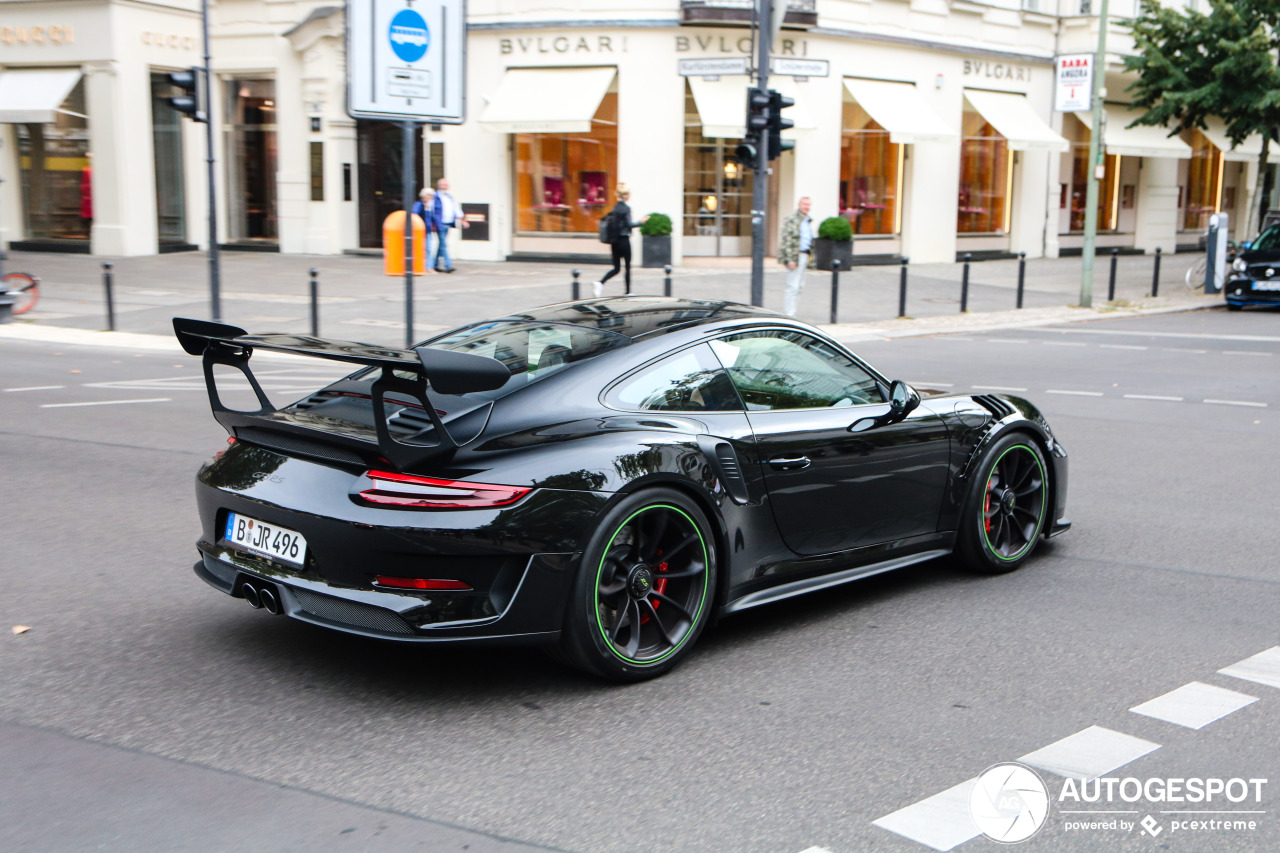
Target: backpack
608	231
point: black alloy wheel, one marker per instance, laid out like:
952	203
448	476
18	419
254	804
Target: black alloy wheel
645	588
1007	506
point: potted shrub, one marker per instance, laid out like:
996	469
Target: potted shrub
655	250
834	241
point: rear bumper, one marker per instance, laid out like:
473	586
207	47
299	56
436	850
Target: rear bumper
532	615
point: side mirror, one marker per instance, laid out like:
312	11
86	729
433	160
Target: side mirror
903	399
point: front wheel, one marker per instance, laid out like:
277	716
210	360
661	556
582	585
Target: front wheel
644	589
25	289
1006	508
1195	274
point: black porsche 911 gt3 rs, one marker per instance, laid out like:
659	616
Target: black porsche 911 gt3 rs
605	477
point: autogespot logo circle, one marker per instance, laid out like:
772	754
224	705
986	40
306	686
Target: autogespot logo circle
1009	803
409	35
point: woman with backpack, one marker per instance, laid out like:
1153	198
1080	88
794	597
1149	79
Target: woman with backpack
617	226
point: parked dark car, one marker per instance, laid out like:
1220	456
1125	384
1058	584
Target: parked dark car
604	477
1253	278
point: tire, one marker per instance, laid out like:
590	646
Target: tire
1231	307
644	590
1195	274
1006	508
24	289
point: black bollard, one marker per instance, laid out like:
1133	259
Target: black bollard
1022	275
315	304
666	281
902	290
574	292
835	287
107	284
1111	286
964	284
1155	276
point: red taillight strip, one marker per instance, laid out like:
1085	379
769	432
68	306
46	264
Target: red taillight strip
405	490
421	583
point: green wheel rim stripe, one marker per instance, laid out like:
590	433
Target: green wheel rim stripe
706	561
1044	498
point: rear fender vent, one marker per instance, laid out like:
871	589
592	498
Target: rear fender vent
728	469
994	405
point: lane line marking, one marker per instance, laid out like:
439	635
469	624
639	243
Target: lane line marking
1074	393
1199	336
1063	344
1180	349
1152	397
34	388
996	388
1236	403
1007	341
1263	668
105	403
1194	705
1246	352
935	384
1121	346
1089	753
941	821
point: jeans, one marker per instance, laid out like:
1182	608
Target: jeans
795	285
440	250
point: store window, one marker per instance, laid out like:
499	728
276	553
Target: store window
57	185
1204	183
565	181
870	174
252	152
1076	192
166	134
986	167
717	191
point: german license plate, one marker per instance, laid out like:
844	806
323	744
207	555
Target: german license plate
1270	284
269	540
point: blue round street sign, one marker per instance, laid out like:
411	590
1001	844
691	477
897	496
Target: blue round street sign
409	35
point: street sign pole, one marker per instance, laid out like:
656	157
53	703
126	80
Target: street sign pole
215	282
760	186
406	173
1096	154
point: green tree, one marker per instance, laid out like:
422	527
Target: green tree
1193	65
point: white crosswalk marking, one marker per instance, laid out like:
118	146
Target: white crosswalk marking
941	821
1194	705
1263	668
1090	753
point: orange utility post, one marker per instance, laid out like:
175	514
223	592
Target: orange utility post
393	244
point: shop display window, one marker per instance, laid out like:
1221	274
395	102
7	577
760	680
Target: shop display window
717	187
57	184
1204	185
166	134
253	151
564	181
1077	132
870	174
985	179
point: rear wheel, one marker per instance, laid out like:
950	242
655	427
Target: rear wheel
644	588
25	289
1006	508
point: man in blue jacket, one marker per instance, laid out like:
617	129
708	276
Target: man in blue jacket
448	214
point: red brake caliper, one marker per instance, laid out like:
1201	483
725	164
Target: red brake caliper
986	506
659	586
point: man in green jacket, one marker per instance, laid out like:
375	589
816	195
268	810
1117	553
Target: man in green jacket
793	253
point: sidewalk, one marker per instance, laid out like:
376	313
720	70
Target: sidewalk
270	293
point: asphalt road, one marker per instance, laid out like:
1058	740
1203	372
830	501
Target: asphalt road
144	711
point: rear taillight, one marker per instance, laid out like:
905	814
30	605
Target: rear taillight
406	490
421	583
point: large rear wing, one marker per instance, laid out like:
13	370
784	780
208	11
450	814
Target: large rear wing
444	371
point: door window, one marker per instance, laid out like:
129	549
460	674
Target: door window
781	369
691	380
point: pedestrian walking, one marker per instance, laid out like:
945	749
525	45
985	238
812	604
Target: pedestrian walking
448	214
793	253
618	228
424	209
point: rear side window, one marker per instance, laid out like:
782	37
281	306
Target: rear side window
691	380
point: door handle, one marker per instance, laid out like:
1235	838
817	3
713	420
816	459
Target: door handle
790	463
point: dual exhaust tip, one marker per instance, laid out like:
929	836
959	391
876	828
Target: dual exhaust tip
262	597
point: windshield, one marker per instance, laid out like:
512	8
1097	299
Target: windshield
1268	240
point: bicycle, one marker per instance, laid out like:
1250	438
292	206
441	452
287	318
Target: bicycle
1196	272
25	287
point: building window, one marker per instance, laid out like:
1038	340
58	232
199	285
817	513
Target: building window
251	145
166	133
565	181
870	174
57	185
717	190
985	177
1204	185
1108	188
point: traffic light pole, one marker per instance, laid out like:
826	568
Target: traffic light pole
215	286
1096	155
760	185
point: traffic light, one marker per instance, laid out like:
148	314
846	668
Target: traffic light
777	124
193	100
757	125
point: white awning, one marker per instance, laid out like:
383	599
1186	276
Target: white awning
547	100
722	106
900	109
33	95
1012	117
1246	152
1140	141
